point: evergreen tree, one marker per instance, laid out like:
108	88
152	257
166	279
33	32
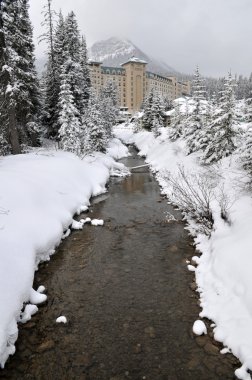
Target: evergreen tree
9	141
246	151
157	114
58	68
147	108
198	91
29	101
94	125
85	69
167	104
176	128
108	100
221	131
156	125
194	128
248	109
74	62
69	132
19	95
52	85
153	110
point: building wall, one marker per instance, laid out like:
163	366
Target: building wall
134	82
161	84
116	76
135	86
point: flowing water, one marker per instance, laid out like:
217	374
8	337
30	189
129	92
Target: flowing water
127	295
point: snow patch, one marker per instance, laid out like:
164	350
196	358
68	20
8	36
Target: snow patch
41	289
199	328
191	268
37	297
28	312
97	222
61	319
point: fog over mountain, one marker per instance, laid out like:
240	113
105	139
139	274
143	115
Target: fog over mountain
115	51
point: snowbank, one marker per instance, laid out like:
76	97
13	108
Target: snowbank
39	194
223	273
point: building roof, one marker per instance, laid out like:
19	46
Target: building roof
91	62
112	70
153	75
135	60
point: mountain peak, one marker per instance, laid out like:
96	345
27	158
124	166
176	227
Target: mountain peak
114	51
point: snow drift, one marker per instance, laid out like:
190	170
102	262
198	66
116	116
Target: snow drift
39	194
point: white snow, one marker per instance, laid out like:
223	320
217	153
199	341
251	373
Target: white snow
37	297
66	234
77	225
26	315
97	222
39	194
191	268
223	272
41	289
61	319
199	327
86	220
196	259
116	149
224	351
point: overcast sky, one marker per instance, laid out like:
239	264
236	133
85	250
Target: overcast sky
215	34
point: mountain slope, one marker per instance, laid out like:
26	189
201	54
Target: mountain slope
114	51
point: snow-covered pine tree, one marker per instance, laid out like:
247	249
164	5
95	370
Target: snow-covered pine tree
86	73
74	62
157	114
198	91
167	102
147	108
108	100
18	81
176	129
194	130
153	108
29	101
59	56
222	134
94	126
70	130
52	85
248	109
9	141
156	126
246	151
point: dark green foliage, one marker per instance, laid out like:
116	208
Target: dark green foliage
19	92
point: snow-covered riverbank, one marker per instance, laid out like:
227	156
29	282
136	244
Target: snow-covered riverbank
39	194
223	273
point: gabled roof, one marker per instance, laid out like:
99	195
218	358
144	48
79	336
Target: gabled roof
135	60
91	62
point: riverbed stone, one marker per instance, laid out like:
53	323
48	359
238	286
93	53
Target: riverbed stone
211	349
46	345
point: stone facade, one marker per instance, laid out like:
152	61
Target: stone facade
134	82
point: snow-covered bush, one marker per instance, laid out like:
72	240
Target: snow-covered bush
192	194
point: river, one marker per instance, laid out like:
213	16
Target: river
127	295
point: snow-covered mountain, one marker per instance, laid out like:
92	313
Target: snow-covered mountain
114	51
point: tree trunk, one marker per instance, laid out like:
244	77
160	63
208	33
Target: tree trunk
13	132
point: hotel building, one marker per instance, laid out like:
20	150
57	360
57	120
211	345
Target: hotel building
134	82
